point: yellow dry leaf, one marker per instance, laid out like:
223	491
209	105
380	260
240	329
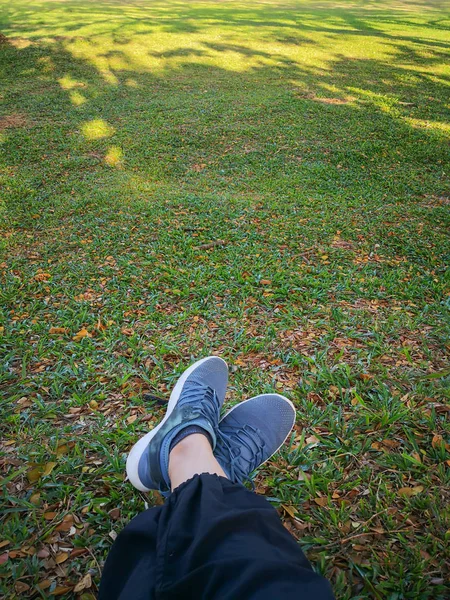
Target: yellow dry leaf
131	419
63	449
410	491
60	590
35	498
57	330
81	334
48	468
83	584
290	510
61	557
321	501
44	584
93	404
49	516
436	441
42	276
34	474
2	330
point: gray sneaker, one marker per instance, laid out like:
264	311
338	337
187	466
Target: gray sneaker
251	432
196	400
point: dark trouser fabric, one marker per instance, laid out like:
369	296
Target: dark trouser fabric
212	539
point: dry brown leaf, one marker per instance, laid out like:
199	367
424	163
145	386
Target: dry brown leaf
366	376
35	498
312	440
303	476
49	516
131	419
66	524
57	330
321	501
44	584
84	584
63	449
436	441
127	331
290	510
61	589
48	468
4	558
391	443
93	404
61	557
42	276
81	334
265	282
410	491
34	474
78	552
114	513
4	543
21	586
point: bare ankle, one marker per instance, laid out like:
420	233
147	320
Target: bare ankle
192	444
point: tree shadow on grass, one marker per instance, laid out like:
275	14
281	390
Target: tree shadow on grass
223	117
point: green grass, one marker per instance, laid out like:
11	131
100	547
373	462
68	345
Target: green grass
309	141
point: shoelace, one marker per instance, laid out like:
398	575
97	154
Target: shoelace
206	401
229	446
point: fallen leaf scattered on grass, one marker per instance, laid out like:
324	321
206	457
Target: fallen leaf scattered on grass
436	441
42	276
83	584
290	510
61	557
44	584
81	334
266	282
35	498
410	491
321	501
57	330
66	524
312	440
49	516
39	471
61	589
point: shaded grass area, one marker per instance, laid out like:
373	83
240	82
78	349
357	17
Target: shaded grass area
264	181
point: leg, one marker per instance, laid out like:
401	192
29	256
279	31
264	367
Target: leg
212	538
192	456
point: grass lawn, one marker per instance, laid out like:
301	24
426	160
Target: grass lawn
263	180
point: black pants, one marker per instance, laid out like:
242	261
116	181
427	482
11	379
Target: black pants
212	539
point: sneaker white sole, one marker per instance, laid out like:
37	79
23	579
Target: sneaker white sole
139	447
294	417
